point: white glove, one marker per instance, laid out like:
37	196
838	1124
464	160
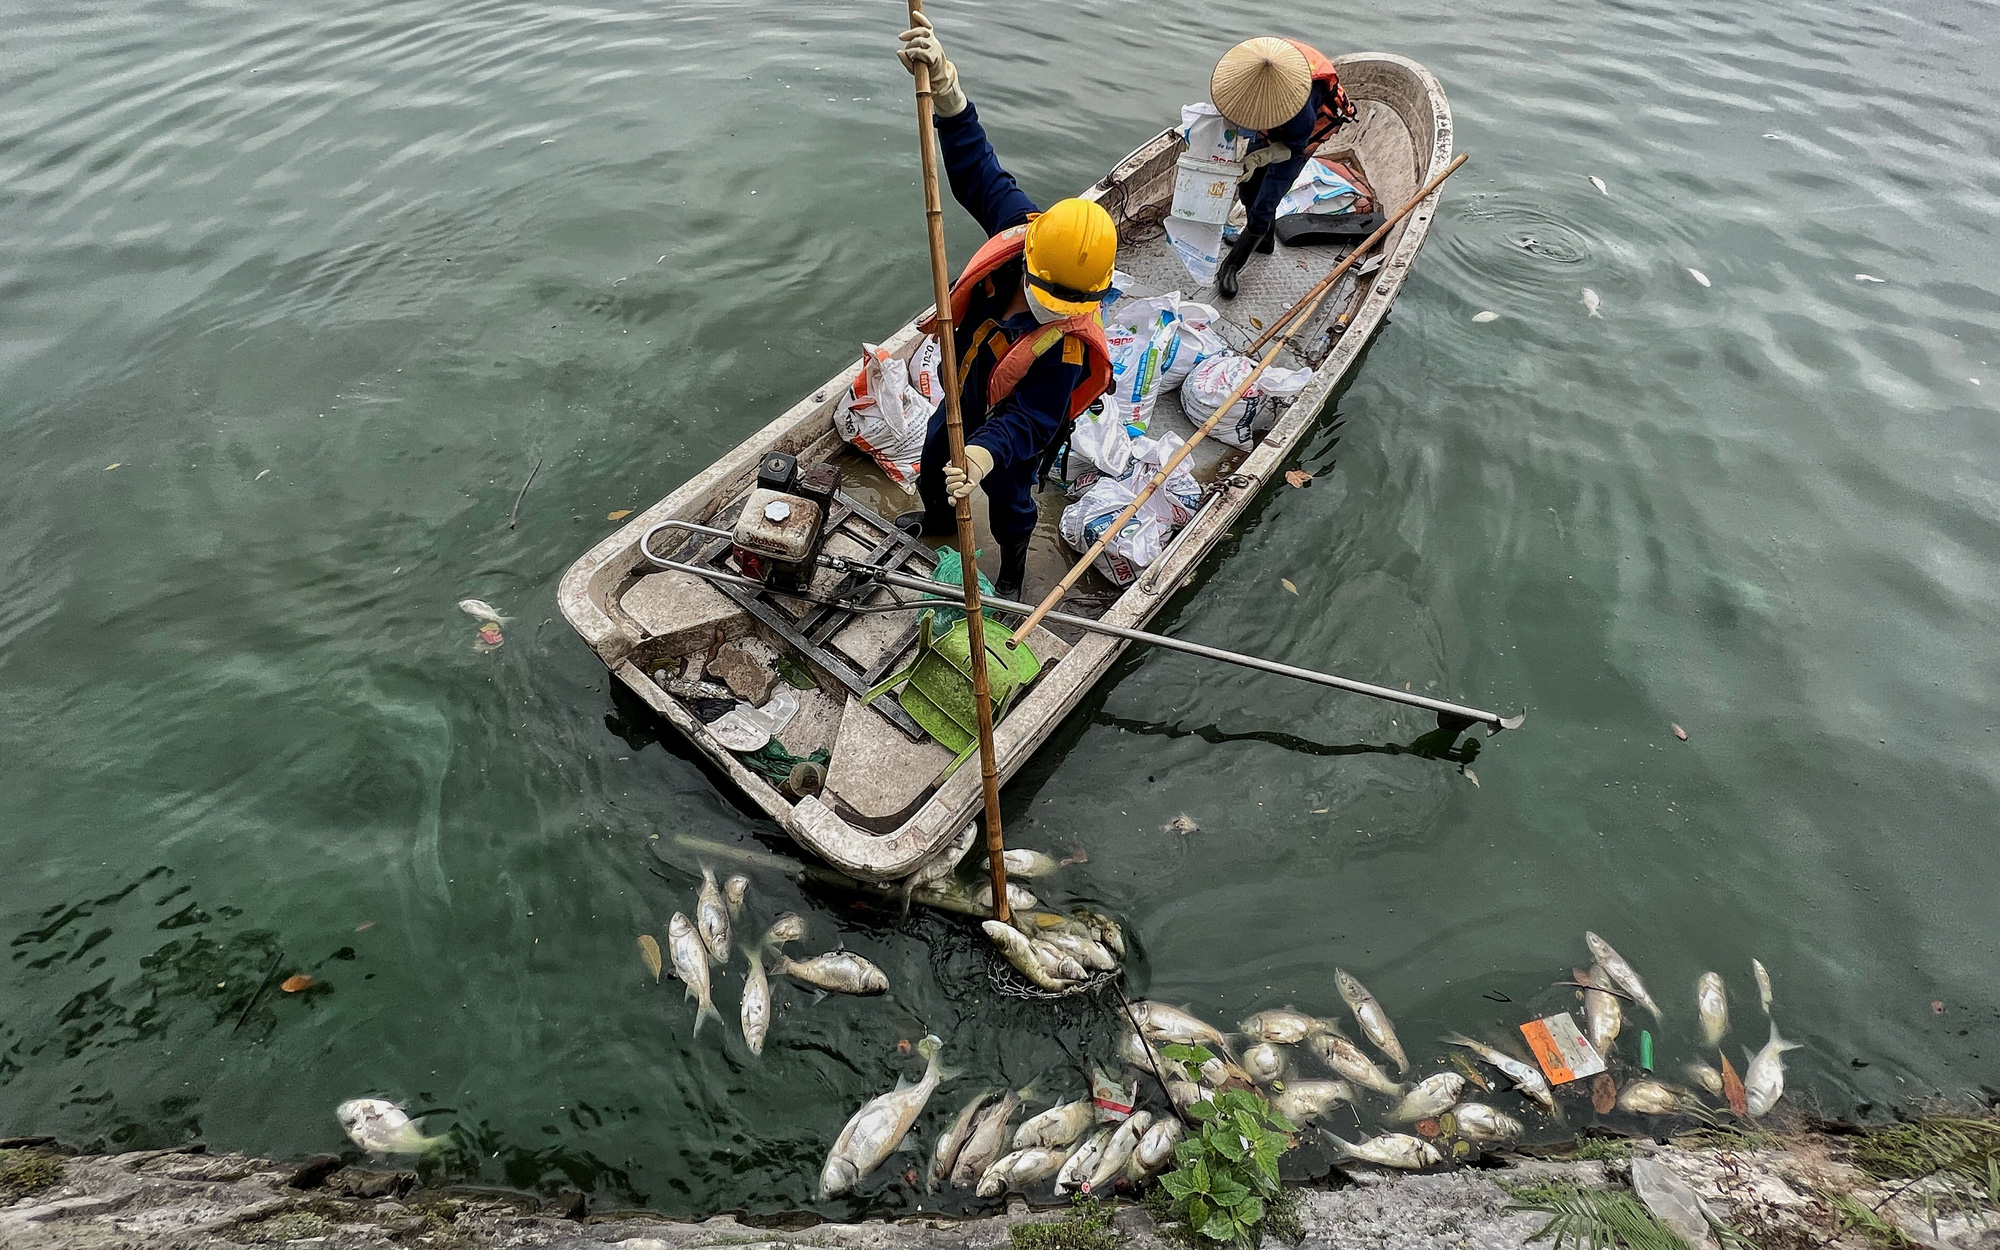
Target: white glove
1269	154
921	46
978	463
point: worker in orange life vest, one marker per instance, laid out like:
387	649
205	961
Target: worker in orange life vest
1290	94
1029	327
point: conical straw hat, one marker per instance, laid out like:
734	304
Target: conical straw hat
1261	83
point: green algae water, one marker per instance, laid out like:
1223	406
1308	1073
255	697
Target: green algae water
295	299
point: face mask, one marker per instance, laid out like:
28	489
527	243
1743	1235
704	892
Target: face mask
1043	313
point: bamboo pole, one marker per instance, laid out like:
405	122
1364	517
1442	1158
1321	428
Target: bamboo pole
1294	320
954	421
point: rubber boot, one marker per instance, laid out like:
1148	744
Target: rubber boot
1232	264
1013	569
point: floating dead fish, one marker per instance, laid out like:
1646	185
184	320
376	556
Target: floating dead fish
1698	276
953	1141
1345	1058
1184	824
711	917
1475	1121
1763	985
1391	1150
988	1139
1265	1062
1711	1007
1282	1025
1021	1169
1707	1077
734	891
480	610
1058	1126
1118	1151
1592	301
1155	1150
1027	956
756	1006
1374	1021
1621	972
1082	1163
1429	1097
1526	1078
1764	1079
836	972
1023	863
690	959
1164	1023
1602	1014
1300	1101
1597	182
1487	315
873	1133
383	1128
1868	277
1649	1098
786	928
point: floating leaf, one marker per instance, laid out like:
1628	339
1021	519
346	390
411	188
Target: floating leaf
1603	1093
649	952
1732	1087
1699	276
619	515
1429	1128
364	926
1487	315
1286	582
1299	477
114	464
1680	733
1859	277
1471	776
1253	321
1321	811
1597	182
298	981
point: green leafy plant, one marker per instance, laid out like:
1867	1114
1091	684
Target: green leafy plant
1226	1180
1088	1228
1958	1146
1850	1214
25	1172
1593	1219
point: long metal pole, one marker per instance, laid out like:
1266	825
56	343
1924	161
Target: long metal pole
954	424
1294	320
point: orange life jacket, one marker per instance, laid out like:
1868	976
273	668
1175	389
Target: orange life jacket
1335	110
1081	336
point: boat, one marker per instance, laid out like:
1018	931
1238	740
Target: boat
892	802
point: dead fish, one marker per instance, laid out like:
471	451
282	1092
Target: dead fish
1597	182
1763	985
1182	825
1391	1150
1300	1101
1345	1057
1374	1021
1699	276
836	972
1164	1023
1649	1098
1021	863
1281	1025
874	1132
1108	931
1058	1126
1621	972
1082	1163
1868	277
1185	1094
786	928
1488	315
480	610
1025	955
1265	1062
649	954
1118	1151
734	891
1592	301
1711	1006
1525	1077
1018	897
988	1139
1155	1150
1603	1015
1086	951
1706	1077
1764	1079
1022	1169
690	959
383	1128
1475	1121
755	1010
953	1141
711	917
1430	1096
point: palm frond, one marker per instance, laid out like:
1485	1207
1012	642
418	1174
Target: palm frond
1592	1219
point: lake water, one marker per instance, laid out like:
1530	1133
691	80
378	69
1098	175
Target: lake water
325	283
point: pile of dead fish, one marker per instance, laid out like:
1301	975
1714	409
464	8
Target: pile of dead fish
691	945
1055	952
1306	1066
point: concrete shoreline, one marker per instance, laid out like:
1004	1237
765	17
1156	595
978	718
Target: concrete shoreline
1776	1190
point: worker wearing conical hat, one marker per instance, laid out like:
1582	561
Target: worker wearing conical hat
1289	93
1029	327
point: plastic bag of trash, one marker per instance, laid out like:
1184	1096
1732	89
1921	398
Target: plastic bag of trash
1209	135
1155	343
1101	439
1199	246
886	412
1319	189
1248	418
1145	535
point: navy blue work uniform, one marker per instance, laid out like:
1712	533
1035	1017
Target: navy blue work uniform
1263	190
1021	427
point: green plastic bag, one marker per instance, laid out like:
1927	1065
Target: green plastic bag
949	573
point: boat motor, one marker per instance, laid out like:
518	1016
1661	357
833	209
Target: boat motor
778	535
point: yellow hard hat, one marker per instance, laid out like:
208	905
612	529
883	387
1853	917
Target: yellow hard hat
1069	254
1261	83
